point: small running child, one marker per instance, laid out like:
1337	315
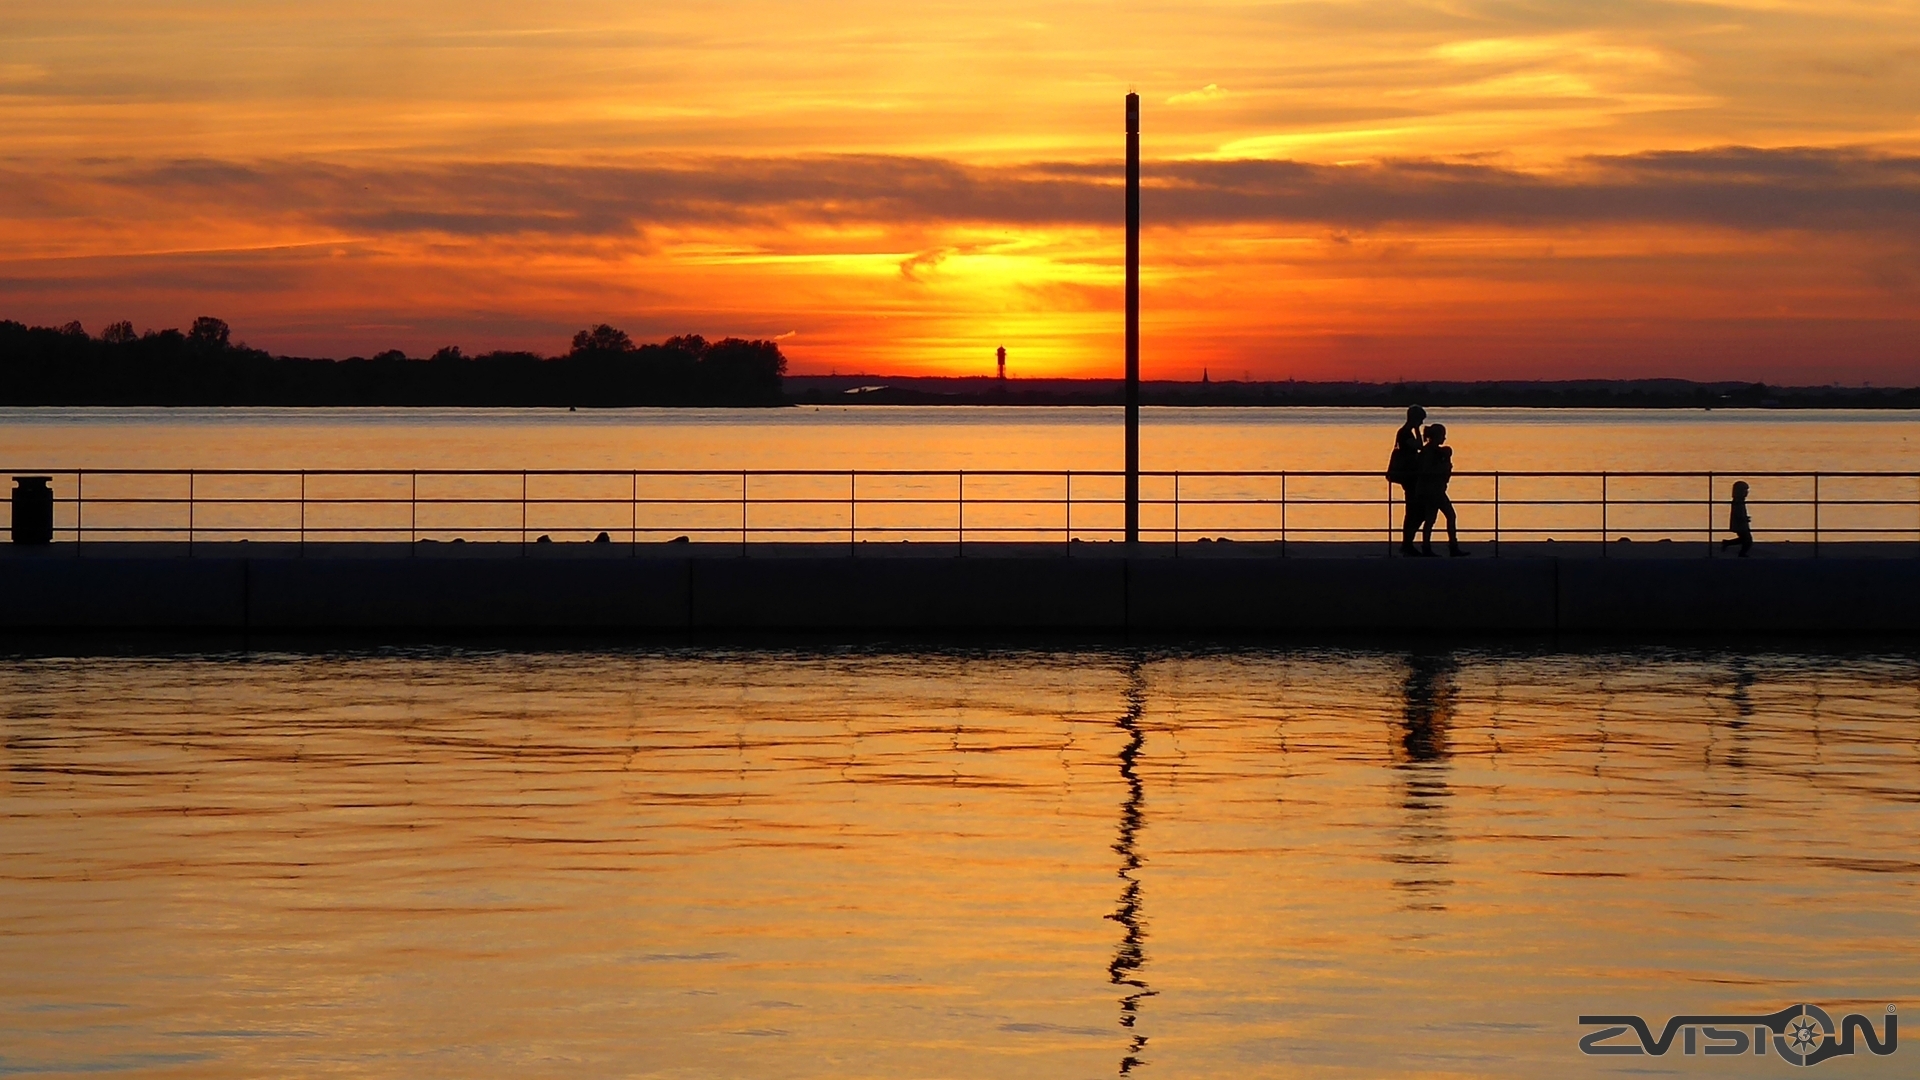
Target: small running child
1738	523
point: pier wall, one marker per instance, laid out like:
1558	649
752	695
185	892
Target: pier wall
975	593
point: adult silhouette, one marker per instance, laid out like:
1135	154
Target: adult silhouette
1403	468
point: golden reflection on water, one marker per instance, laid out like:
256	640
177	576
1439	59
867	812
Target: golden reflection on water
939	862
943	438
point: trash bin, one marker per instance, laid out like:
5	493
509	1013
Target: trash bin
32	510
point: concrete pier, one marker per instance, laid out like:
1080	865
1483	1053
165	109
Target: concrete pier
1203	589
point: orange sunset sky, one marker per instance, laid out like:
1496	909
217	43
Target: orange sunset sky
1334	189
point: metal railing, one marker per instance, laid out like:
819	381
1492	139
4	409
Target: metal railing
885	506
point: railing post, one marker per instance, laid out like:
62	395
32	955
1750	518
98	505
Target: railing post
1176	514
743	512
189	513
413	510
1604	535
852	511
960	540
1496	515
79	508
523	514
1710	545
1390	548
1816	515
303	513
1283	514
633	515
1069	540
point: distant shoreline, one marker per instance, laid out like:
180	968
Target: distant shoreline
1564	394
938	391
604	368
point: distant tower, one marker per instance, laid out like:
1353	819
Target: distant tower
1002	355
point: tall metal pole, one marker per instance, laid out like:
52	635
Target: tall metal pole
1133	319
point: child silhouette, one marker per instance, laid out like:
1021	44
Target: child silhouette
1738	523
1436	469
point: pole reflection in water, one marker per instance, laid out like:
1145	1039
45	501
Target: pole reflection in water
1421	762
1131	957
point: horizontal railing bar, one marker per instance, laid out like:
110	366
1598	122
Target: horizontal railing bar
597	526
1056	473
1359	534
932	499
916	501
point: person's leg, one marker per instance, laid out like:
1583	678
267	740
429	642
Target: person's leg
1426	526
1746	542
1453	533
1410	520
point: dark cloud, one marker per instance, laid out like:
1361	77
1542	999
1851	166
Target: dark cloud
913	267
1736	187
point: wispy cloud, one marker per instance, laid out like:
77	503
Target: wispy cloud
921	262
1209	92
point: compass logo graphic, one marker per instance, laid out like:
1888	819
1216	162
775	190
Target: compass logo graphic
1798	1034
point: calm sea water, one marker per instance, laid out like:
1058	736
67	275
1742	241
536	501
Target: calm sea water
944	438
940	863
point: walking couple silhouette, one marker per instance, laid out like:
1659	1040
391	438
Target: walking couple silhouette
1422	464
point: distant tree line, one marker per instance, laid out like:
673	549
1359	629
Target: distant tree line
65	365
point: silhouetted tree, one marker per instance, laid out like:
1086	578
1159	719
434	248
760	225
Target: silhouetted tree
209	332
205	366
755	366
601	339
74	329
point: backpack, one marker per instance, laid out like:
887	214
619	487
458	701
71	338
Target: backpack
1403	466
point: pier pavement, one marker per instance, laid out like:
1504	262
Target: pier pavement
1200	588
